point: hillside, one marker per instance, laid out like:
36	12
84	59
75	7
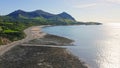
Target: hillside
13	24
40	16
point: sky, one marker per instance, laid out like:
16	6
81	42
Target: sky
104	11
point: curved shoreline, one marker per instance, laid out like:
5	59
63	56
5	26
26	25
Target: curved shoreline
36	35
29	36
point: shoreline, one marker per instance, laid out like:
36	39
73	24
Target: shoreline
34	35
29	36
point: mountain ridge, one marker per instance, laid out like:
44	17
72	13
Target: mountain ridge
40	13
13	24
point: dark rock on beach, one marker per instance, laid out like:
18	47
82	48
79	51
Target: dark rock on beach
31	56
51	40
39	57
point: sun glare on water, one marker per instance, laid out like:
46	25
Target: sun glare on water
109	55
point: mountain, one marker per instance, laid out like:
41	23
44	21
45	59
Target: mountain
13	24
16	14
42	13
63	18
37	13
66	16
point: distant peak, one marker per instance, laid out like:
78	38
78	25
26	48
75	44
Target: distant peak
64	13
43	12
20	10
66	16
38	10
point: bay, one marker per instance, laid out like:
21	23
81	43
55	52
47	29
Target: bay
96	45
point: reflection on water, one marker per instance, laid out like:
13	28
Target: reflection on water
98	46
109	55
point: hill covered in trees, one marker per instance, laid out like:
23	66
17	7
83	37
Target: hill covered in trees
13	24
41	17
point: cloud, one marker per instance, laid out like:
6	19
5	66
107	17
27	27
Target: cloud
85	5
113	1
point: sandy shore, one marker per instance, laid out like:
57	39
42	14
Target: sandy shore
37	51
31	33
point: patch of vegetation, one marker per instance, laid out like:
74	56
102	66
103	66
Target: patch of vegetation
1	42
1	29
11	30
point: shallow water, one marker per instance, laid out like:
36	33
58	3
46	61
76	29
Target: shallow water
97	45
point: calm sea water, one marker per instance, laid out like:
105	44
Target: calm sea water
96	45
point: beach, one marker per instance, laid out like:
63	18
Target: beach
31	33
38	50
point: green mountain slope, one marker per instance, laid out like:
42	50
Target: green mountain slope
42	16
13	24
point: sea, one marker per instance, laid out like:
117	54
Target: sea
96	45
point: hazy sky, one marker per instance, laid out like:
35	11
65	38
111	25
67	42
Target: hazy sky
82	10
